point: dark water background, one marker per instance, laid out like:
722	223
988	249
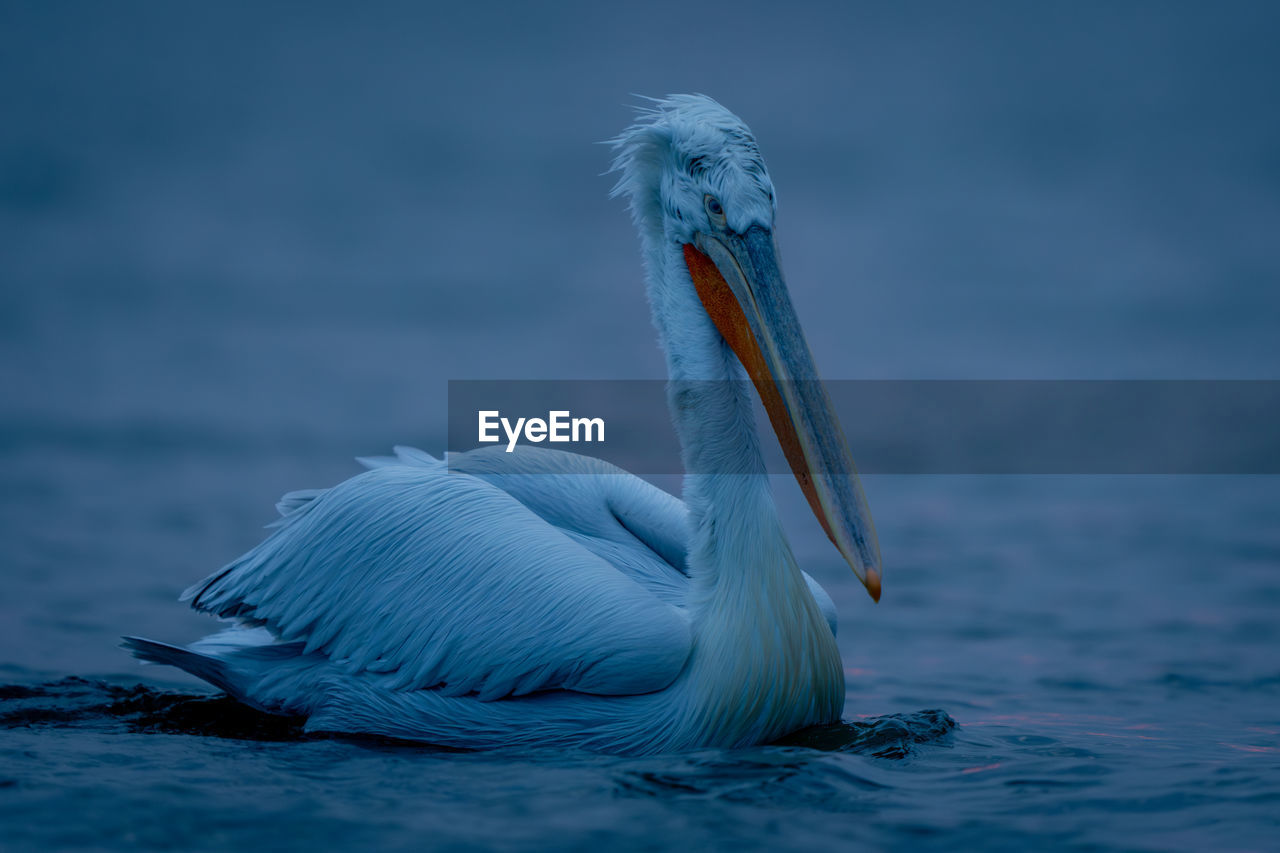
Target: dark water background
243	244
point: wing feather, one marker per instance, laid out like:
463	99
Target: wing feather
448	582
629	522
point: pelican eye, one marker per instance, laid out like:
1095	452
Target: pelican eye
714	210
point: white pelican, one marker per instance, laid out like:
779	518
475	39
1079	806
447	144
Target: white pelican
506	599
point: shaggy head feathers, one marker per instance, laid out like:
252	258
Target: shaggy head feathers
681	149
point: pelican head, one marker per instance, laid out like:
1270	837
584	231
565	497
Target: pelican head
704	204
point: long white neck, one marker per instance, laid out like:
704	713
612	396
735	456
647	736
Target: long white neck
726	486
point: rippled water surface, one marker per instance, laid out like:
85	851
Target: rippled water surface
241	246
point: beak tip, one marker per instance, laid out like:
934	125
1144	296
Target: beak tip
873	585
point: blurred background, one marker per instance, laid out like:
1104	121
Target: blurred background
242	243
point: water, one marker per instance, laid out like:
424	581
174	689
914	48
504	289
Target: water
239	247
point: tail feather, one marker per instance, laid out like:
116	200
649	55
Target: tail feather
247	663
211	669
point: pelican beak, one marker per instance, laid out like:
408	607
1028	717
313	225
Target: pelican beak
741	286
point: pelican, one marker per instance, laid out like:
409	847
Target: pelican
489	600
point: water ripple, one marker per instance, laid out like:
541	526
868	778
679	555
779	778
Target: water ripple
75	701
892	736
82	702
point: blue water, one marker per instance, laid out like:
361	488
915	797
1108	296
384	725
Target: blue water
240	246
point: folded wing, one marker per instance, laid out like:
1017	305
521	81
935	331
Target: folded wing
630	523
441	580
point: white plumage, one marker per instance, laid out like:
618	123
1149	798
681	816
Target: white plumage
545	598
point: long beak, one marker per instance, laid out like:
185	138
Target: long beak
741	286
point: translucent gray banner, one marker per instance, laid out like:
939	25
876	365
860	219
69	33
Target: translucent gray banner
911	426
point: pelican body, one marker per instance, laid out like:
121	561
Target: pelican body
542	598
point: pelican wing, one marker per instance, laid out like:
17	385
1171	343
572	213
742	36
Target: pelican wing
441	580
630	523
